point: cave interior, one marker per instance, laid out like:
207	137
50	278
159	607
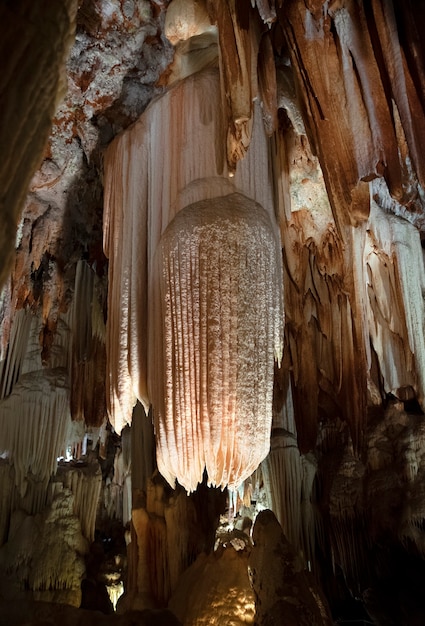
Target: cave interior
212	312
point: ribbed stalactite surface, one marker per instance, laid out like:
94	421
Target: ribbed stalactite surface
216	321
34	424
208	342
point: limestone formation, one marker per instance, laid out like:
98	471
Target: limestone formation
284	592
194	328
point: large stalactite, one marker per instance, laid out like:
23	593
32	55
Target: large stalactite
203	371
217	330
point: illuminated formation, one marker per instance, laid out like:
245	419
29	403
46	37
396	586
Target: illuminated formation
217	321
195	310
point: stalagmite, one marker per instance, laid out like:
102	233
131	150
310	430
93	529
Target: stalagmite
153	582
283	589
46	551
215	590
348	517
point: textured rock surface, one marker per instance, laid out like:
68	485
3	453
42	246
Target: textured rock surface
31	86
44	553
215	590
284	591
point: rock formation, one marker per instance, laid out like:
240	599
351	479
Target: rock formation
284	592
214	278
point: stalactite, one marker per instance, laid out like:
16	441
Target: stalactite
332	53
125	478
241	42
6	489
34	424
85	483
324	300
142	448
267	84
11	366
88	358
308	512
288	482
237	47
217	280
267	10
126	329
396	314
401	79
283	474
117	491
139	205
